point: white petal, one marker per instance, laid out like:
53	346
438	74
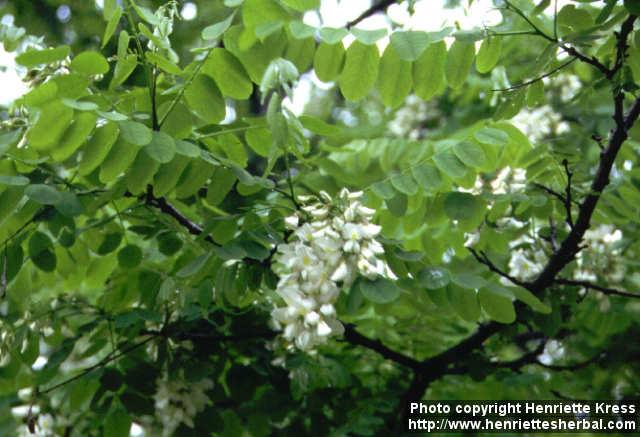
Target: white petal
323	329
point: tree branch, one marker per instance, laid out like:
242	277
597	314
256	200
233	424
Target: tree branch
354	337
571	244
482	258
601	289
376	7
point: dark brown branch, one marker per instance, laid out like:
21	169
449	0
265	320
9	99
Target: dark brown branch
589	60
165	207
571	245
354	337
482	258
622	46
527	358
567	197
601	289
106	360
375	8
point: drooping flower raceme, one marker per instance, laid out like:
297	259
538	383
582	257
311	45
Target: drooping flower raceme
602	256
332	242
178	401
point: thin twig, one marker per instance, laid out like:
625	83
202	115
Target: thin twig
377	7
596	287
482	258
106	360
529	82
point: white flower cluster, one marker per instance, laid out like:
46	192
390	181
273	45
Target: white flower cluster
177	401
601	257
526	264
540	122
509	180
325	252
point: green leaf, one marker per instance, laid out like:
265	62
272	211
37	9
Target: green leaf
163	63
222	182
215	31
428	70
204	98
464	302
135	133
120	157
530	299
8	140
43	194
499	308
464	206
33	57
185	148
162	147
459	60
117	423
80	106
318	126
130	256
69	205
110	242
13	180
141	172
433	278
395	78
469	281
300	30
328	61
397	204
492	136
97	148
404	183
111	27
41	94
409	44
427	176
228	73
301	52
449	164
360	71
470	154
258	12
75	136
89	64
381	290
302	5
124	68
383	189
41	252
332	35
145	14
488	54
53	120
369	37
535	94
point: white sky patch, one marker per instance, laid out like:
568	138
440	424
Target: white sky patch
12	85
